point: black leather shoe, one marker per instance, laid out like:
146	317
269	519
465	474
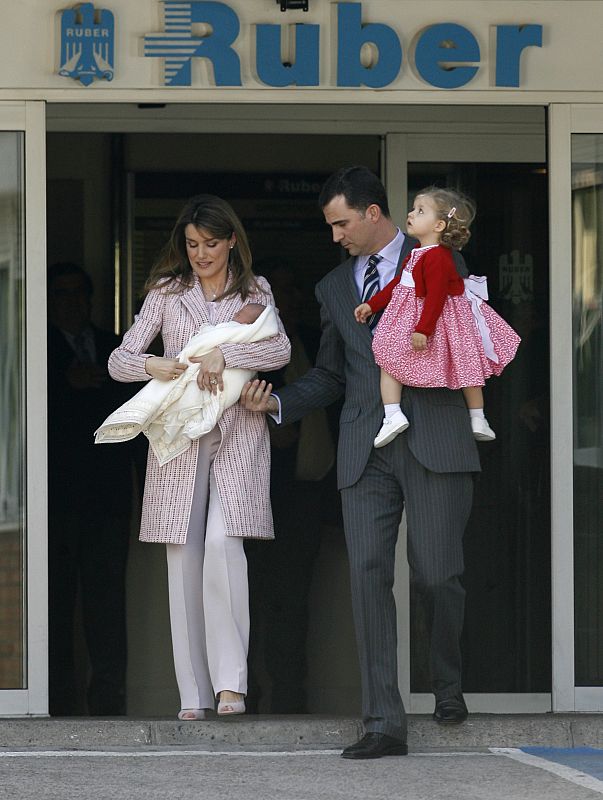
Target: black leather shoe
451	710
375	745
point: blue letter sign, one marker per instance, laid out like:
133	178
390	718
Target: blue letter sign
445	55
438	48
352	34
269	65
510	41
178	45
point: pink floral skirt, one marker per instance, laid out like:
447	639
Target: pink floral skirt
455	355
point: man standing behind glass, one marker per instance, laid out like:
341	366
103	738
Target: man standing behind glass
90	493
428	470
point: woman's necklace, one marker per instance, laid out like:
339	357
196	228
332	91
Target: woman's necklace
210	294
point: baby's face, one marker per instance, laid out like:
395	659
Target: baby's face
249	313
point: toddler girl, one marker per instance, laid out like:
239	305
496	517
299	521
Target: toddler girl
436	330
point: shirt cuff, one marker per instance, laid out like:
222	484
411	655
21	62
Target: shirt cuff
277	417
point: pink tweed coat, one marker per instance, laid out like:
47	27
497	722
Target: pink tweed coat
242	463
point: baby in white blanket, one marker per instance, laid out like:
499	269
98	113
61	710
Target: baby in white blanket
248	314
173	413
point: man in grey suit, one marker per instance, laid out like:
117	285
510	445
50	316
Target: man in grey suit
428	470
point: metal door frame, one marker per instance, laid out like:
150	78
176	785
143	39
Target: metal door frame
525	143
30	118
564	120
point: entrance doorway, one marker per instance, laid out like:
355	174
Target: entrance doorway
507	635
124	187
138	195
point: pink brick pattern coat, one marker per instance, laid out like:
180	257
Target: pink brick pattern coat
242	463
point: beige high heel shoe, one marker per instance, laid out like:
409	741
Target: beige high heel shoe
226	707
187	714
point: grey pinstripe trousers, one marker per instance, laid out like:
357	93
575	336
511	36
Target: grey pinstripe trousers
437	508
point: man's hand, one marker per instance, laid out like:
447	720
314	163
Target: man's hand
256	396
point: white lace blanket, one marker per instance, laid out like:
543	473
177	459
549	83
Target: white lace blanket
173	413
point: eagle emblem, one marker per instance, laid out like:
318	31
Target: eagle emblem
87	43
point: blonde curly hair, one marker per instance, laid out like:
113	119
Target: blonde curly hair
456	210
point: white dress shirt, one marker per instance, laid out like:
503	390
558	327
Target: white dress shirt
386	267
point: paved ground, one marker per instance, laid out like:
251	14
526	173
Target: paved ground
187	773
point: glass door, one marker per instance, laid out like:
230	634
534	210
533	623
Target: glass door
12	544
578	134
507	634
587	296
577	214
22	412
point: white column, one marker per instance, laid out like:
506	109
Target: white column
562	445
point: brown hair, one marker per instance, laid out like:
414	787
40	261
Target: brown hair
215	216
359	186
456	210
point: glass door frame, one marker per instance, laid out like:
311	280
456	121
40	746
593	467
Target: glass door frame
30	119
399	149
564	120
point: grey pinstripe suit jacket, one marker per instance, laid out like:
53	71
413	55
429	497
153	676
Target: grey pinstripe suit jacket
439	435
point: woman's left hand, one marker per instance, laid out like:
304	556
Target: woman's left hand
211	367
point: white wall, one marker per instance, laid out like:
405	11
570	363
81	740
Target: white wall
570	59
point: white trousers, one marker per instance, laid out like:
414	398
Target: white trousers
209	595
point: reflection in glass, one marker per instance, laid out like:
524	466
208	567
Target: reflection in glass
587	249
507	635
12	674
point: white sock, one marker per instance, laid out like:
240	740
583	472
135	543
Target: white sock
476	412
391	409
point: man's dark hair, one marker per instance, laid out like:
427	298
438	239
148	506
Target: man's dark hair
61	268
360	187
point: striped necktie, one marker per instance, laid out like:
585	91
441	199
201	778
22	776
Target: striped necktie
371	286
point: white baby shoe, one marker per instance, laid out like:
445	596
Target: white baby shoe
390	428
481	430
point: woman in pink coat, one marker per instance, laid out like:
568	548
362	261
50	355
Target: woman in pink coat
205	502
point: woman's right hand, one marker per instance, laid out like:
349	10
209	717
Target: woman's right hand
164	369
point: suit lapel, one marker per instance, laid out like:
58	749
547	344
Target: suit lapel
196	304
350	290
350	298
407	246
